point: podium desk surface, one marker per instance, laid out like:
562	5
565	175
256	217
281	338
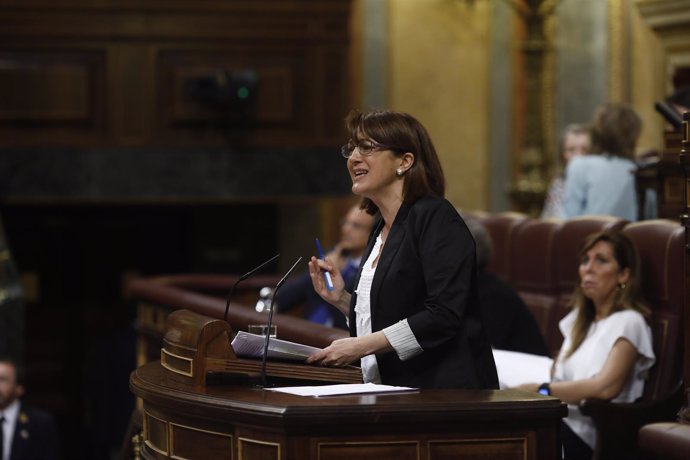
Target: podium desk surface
251	404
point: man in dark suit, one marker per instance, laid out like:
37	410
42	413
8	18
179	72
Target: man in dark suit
508	321
25	433
347	253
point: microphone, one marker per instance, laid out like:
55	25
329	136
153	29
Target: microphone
242	278
669	113
270	321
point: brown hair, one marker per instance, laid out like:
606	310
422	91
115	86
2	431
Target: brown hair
401	133
628	296
615	130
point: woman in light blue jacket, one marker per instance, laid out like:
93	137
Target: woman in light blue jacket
604	183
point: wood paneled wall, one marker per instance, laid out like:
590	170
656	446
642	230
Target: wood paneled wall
113	73
102	142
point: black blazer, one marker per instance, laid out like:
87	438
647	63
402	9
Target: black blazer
35	436
427	273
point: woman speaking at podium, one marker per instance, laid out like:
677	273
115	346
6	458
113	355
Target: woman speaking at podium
414	313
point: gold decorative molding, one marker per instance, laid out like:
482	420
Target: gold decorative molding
549	95
136	446
244	441
217	435
665	14
174	363
164	430
385	448
619	51
519	445
670	21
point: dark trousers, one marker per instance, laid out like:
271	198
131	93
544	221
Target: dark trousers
574	448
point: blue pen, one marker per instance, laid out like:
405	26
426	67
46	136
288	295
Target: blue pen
326	275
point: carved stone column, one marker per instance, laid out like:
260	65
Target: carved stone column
529	189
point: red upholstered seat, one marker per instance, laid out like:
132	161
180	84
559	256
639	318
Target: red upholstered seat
501	228
665	441
661	244
533	273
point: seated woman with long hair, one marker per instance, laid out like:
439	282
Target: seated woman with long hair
607	348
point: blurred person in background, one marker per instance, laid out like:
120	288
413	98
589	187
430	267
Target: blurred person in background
604	183
346	254
575	141
26	433
509	322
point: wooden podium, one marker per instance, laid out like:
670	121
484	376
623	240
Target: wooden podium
665	176
240	422
187	416
195	346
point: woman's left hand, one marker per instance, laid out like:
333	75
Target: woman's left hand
339	353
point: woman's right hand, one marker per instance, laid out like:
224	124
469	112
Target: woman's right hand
338	297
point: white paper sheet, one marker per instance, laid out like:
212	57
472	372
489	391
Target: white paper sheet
515	368
341	389
252	346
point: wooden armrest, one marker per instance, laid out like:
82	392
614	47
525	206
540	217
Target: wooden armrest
158	292
618	424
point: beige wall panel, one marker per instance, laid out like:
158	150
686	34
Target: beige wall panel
661	45
438	72
648	81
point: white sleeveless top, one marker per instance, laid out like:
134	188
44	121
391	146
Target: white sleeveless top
591	356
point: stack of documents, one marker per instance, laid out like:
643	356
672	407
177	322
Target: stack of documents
252	346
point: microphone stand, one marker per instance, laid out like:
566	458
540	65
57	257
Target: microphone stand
270	322
242	278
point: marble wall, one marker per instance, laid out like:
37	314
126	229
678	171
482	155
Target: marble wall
455	65
439	72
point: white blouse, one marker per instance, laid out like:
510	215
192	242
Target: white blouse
370	368
591	355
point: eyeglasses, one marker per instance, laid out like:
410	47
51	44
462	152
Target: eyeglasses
364	148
